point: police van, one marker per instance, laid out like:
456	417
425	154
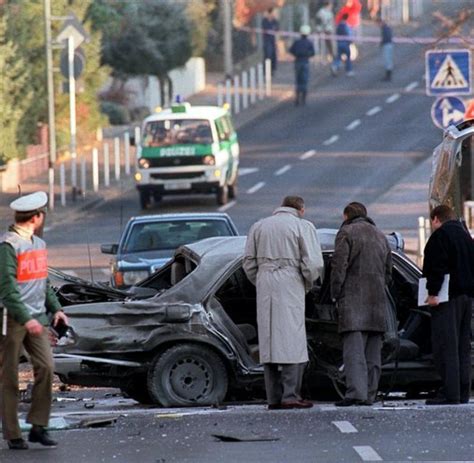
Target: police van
185	150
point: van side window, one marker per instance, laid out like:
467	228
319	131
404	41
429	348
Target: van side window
223	128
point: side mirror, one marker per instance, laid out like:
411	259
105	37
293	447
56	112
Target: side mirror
109	248
132	141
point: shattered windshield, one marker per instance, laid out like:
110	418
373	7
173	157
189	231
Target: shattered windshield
177	132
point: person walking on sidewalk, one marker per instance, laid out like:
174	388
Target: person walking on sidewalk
26	295
450	251
325	24
361	269
270	26
302	49
343	31
283	259
386	44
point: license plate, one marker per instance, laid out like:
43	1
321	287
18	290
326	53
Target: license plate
177	186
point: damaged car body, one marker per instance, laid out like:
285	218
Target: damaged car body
195	342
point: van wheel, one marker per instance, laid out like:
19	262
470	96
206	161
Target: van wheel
223	195
188	375
144	199
233	189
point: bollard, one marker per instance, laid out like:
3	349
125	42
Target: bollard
126	148
51	187
245	90
74	176
220	95
137	136
268	77
228	95
236	94
62	184
260	81
83	176
106	165
95	170
421	240
253	90
117	158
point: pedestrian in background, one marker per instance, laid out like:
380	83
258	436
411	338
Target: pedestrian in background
386	44
325	24
351	9
302	49
28	299
344	41
283	259
360	271
270	26
450	251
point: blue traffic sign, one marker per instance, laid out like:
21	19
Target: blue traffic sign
448	72
447	111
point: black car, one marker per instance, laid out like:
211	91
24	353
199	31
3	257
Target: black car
194	341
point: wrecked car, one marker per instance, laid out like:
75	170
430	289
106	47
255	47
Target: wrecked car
195	341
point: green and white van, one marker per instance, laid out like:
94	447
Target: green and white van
187	149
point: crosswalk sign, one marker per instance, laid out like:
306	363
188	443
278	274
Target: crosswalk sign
448	72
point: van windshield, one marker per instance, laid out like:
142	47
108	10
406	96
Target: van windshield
170	132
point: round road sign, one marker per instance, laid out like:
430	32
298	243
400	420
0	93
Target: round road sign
446	111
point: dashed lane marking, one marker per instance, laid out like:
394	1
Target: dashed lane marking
344	426
308	154
411	86
367	453
255	188
331	140
283	170
227	206
373	111
247	170
392	98
353	124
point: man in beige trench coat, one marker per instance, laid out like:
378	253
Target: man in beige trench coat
283	259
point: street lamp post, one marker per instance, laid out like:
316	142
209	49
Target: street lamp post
227	20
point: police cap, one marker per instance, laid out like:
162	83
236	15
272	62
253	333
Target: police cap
30	203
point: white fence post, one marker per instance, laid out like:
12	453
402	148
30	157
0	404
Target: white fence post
126	142
220	95
95	170
62	183
106	165
260	81
117	158
236	94
228	96
83	176
421	239
245	90
253	90
268	78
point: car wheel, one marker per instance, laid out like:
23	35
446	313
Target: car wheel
223	195
188	375
136	389
144	199
233	189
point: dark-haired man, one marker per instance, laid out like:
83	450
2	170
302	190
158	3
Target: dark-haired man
361	268
450	251
283	259
28	299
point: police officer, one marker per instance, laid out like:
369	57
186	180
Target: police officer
28	299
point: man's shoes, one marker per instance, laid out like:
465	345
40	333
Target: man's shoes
351	402
441	401
274	407
40	435
296	404
17	444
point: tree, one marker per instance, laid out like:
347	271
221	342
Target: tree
14	93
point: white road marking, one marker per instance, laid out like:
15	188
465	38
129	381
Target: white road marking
344	426
353	124
283	170
308	154
392	98
227	206
70	272
367	453
411	86
373	111
255	188
247	170
331	140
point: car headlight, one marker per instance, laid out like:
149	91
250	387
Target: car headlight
130	278
209	160
144	163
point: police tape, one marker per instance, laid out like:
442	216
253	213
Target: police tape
367	39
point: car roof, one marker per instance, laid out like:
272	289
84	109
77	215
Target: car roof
180	216
192	112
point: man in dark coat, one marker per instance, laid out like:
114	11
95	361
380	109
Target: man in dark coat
344	41
270	26
302	49
450	251
360	271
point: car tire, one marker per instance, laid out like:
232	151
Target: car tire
233	189
136	389
188	375
223	195
144	199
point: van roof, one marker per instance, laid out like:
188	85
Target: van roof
191	112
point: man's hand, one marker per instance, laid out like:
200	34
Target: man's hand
432	301
60	315
34	327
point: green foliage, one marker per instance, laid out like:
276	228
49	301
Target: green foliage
15	94
198	14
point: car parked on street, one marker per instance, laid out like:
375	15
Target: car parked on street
149	241
195	341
